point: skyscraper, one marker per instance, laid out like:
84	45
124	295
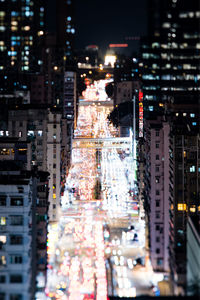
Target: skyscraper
171	77
171	53
21	32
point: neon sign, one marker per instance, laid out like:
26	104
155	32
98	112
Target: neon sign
140	113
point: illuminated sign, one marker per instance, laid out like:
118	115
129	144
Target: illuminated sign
118	45
140	113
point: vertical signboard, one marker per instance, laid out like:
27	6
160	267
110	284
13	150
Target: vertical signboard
140	113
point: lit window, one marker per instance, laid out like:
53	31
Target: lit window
192	169
2	260
30	133
2	220
182	206
2	239
193	208
39	132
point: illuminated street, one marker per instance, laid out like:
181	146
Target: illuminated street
97	248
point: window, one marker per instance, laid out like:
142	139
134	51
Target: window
2	200
2	260
157	169
2	280
157	215
39	142
15	297
157	227
2	296
157	203
157	250
15	259
54	126
54	206
192	169
159	261
16	239
54	156
20	134
2	240
39	133
157	179
2	220
17	278
157	192
157	239
16	220
16	201
20	189
157	145
157	157
54	166
157	132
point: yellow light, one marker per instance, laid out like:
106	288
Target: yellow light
3	221
90	72
182	206
55	68
193	208
40	33
54	196
13	28
161	104
27	28
14	23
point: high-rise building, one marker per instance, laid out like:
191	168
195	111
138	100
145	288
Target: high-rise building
171	53
21	33
170	81
23	222
65	28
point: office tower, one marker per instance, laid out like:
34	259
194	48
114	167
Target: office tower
21	33
171	53
171	74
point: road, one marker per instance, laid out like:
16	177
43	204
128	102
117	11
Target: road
97	247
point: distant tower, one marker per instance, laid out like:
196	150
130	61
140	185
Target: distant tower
21	31
65	30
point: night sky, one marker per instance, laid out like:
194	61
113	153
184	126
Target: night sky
102	22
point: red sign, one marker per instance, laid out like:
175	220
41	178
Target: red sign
140	113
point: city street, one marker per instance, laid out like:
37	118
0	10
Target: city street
98	247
